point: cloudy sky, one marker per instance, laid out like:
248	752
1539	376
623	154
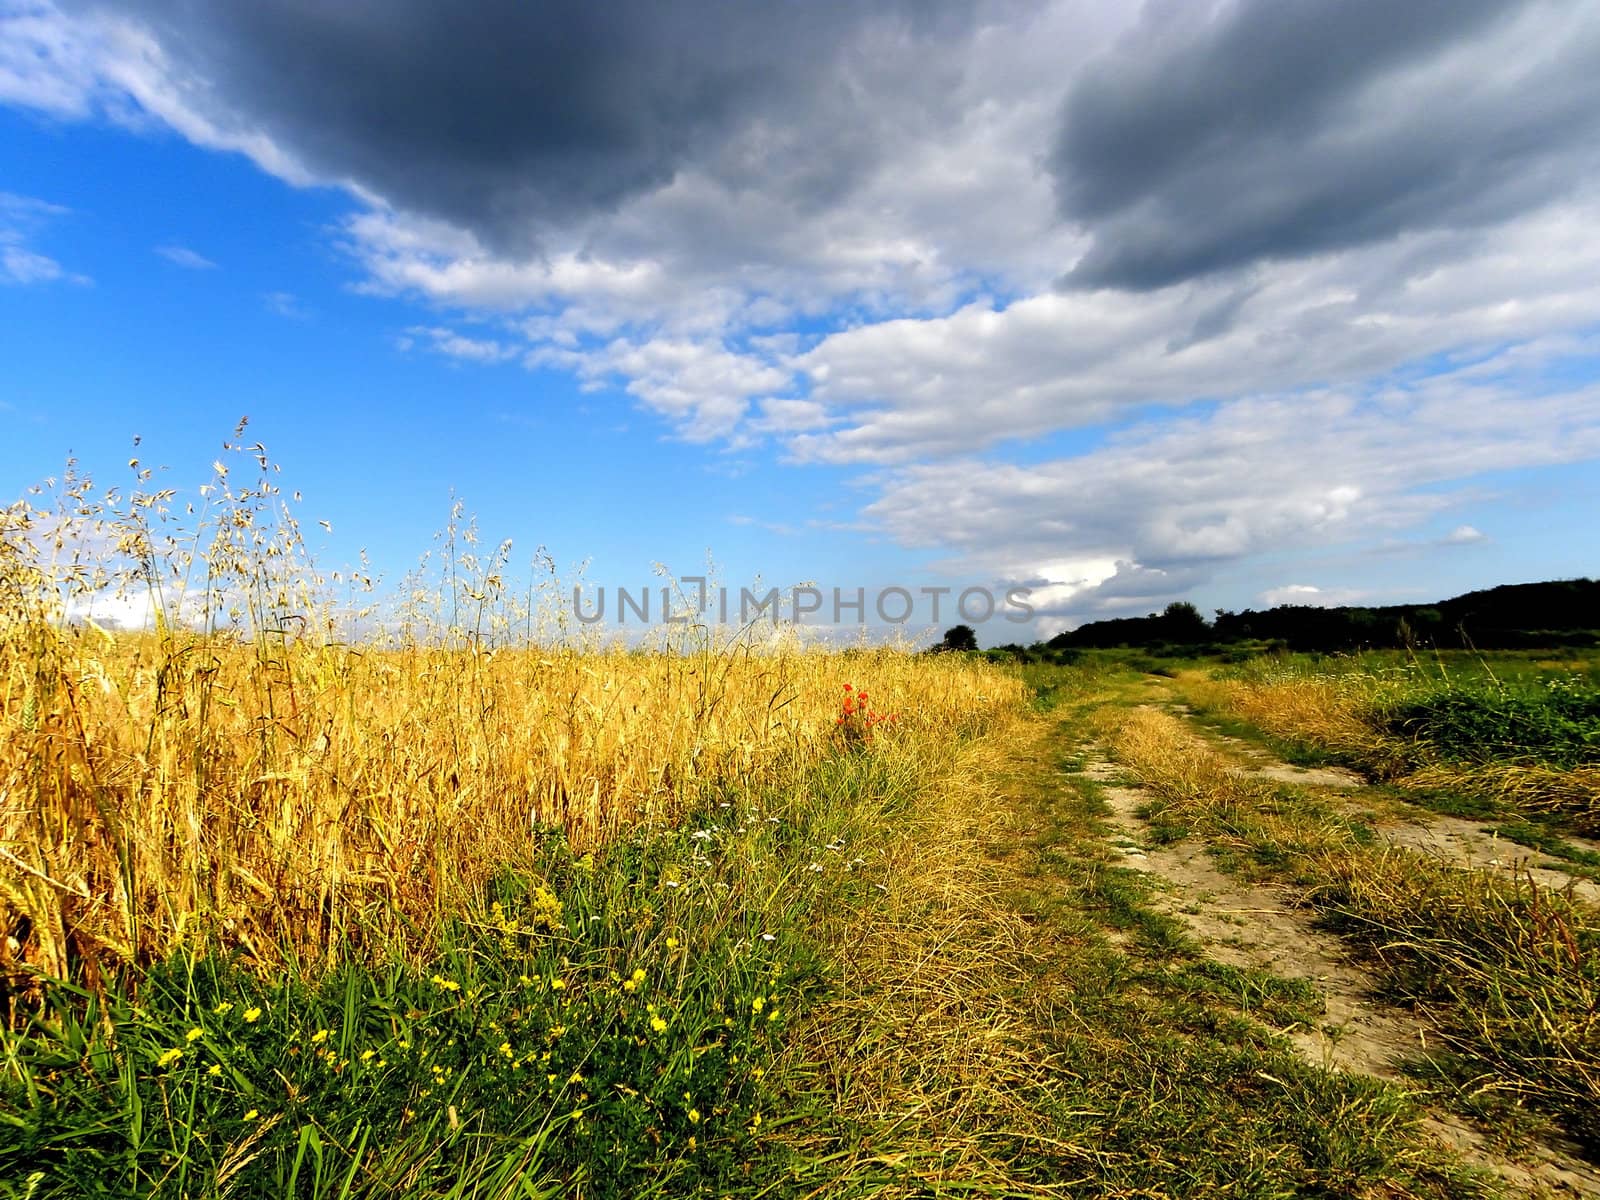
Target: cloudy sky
1242	302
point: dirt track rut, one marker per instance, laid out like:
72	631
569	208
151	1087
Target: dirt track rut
1251	925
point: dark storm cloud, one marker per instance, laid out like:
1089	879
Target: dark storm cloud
503	115
1280	128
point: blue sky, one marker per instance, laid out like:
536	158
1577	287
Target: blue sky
1122	305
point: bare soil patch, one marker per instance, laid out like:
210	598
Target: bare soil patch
1465	844
1328	777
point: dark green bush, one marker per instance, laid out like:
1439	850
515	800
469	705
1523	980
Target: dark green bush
1556	722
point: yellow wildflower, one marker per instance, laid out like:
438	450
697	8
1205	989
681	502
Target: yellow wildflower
319	1036
215	1069
194	1035
222	1009
694	1116
658	1024
252	1015
546	908
252	1114
169	1057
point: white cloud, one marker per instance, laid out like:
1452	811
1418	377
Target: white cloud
96	63
948	197
47	62
701	386
1310	594
184	257
136	608
21	219
114	610
1055	586
15	209
781	416
1465	535
24	266
451	344
898	385
918	386
286	305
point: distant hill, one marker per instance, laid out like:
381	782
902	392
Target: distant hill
1562	612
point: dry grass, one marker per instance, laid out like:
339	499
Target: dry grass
1320	710
923	1039
989	1039
1572	794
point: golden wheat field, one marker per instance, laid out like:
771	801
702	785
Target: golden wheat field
288	794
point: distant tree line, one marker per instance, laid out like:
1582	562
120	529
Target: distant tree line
1556	614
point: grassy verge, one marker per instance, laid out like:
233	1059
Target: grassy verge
1517	735
1509	970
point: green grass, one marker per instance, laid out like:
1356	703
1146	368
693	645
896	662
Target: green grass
614	1027
1558	723
1511	737
1499	708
